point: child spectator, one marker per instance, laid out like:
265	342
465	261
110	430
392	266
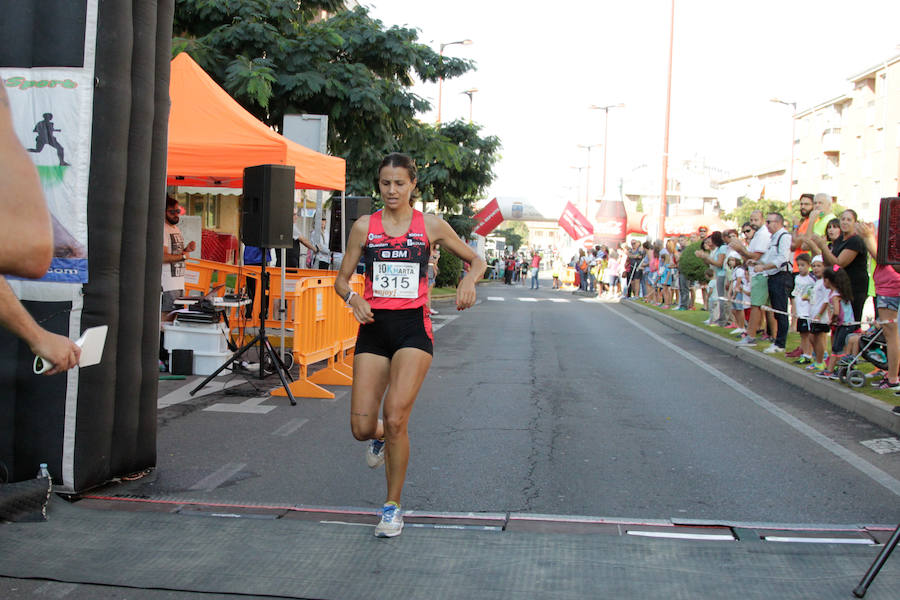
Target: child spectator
802	295
818	304
611	275
738	291
839	301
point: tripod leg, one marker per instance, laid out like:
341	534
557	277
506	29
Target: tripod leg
226	364
279	367
882	557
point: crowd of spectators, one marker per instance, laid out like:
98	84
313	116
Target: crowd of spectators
765	280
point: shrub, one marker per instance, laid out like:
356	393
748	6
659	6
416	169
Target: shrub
692	267
449	270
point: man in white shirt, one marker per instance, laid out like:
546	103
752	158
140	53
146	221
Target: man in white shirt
776	265
174	253
759	290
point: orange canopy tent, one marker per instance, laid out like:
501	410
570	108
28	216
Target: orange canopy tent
212	138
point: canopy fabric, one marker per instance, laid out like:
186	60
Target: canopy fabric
212	138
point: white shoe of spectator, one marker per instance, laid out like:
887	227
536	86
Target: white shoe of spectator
773	349
747	341
737	331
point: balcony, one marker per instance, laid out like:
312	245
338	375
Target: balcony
831	141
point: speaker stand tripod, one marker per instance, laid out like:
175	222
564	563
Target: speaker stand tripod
265	346
882	557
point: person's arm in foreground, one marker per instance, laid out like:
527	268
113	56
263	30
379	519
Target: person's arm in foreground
26	237
60	351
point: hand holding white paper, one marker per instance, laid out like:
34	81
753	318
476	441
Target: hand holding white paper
91	344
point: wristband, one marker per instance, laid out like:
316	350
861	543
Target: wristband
350	295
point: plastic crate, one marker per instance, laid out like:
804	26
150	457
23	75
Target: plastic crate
207	362
207	338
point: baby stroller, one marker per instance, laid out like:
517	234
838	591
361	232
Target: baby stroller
872	348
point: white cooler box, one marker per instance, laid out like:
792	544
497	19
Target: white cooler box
207	340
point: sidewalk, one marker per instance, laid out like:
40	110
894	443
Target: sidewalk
871	409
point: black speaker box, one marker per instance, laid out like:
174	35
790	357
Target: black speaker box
357	206
267	208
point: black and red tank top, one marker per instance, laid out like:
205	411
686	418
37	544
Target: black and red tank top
397	267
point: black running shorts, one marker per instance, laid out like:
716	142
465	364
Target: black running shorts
395	329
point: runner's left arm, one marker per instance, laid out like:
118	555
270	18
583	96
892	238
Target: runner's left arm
440	232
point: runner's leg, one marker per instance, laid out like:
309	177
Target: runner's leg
408	369
371	373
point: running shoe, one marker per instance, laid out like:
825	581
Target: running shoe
827	375
773	349
803	360
375	453
887	385
391	523
816	366
434	312
738	331
747	342
731	326
795	353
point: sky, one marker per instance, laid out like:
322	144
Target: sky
541	65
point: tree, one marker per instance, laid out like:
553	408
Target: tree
277	57
516	234
742	213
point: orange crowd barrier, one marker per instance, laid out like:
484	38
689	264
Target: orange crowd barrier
324	329
321	327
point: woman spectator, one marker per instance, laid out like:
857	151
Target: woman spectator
717	249
848	251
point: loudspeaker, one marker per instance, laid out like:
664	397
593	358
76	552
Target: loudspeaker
889	232
356	206
267	208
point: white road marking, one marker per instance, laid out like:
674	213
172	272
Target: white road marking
558	300
211	482
827	443
883	445
250	406
444	321
182	394
496	298
290	427
53	589
527	299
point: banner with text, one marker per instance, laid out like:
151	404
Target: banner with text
52	106
488	218
575	223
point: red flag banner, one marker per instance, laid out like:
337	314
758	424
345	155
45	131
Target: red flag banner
575	223
488	218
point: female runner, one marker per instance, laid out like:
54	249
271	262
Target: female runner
394	345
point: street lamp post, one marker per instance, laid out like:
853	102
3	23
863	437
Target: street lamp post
605	110
578	193
793	105
465	42
587	184
665	165
470	93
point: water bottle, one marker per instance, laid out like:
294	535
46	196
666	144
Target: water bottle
43	473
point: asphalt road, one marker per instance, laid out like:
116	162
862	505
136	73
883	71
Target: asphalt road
549	403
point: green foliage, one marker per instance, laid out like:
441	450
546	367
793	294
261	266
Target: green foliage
515	233
692	267
449	270
741	214
277	57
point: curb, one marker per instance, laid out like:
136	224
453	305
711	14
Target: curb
872	410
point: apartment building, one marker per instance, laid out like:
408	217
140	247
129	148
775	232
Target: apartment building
849	146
